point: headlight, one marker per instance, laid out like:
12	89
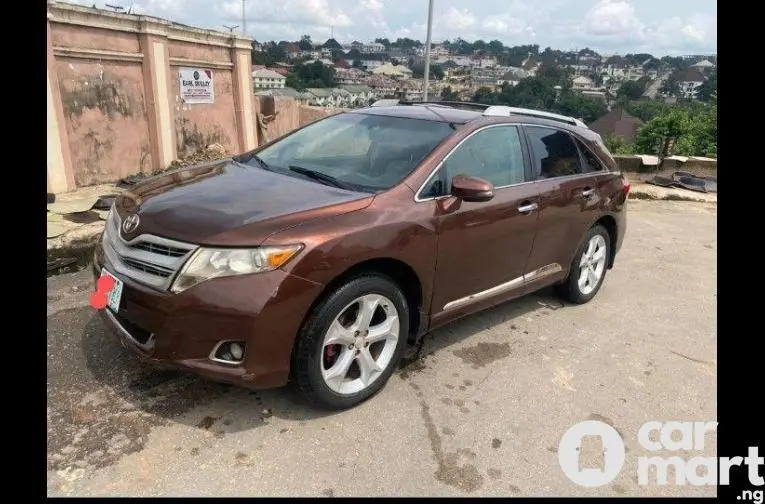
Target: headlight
207	263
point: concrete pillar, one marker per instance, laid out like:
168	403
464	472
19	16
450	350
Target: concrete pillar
241	57
156	81
60	173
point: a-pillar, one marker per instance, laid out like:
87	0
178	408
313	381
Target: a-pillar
241	57
156	82
60	173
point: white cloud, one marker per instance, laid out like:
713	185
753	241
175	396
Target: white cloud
613	17
656	26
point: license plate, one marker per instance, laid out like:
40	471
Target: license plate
115	295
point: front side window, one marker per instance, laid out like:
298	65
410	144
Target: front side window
362	151
493	154
555	153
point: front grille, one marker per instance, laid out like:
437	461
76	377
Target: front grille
148	268
161	249
148	259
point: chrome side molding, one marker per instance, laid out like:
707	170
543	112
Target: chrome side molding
513	284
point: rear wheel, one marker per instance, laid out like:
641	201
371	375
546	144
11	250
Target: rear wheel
351	343
588	269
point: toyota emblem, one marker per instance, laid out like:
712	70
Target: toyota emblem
130	223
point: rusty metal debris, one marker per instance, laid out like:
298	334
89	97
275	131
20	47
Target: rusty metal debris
686	180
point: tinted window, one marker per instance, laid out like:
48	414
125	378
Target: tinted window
493	154
591	163
370	152
555	154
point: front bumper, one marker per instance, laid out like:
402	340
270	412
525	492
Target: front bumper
264	310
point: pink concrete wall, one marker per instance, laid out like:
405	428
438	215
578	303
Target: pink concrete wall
105	118
94	38
187	50
310	114
290	115
199	125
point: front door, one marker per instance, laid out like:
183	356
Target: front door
483	247
569	200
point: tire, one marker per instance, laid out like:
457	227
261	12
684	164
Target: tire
572	289
333	370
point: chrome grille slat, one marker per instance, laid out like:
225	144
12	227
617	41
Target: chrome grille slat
147	259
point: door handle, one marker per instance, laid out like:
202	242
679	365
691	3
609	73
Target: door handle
587	193
527	208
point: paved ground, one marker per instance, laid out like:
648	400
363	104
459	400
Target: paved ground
479	412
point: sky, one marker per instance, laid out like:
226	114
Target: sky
659	27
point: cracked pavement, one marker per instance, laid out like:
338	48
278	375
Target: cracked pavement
477	410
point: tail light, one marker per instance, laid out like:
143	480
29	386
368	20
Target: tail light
626	187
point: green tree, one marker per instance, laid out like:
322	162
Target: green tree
305	44
384	42
630	90
448	95
574	104
485	95
357	64
618	145
332	44
418	71
496	47
659	135
708	89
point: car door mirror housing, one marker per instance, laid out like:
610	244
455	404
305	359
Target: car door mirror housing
472	188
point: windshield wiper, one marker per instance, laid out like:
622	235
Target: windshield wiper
257	158
321	177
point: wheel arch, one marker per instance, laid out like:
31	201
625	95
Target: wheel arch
399	272
609	223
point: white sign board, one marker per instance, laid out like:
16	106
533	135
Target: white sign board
196	85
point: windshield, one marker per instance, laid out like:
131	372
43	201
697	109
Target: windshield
366	152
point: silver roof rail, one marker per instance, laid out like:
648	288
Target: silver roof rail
386	103
505	111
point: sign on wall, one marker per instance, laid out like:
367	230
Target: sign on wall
196	85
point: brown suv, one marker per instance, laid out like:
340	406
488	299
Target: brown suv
318	257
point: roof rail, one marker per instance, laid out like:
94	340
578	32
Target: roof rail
453	104
504	111
386	103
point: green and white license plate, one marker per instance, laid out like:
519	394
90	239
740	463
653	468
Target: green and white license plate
115	295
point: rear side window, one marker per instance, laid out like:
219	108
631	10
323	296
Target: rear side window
555	153
591	162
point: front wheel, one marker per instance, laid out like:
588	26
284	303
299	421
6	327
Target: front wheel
351	343
588	268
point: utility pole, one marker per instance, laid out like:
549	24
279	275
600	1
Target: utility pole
244	20
231	28
427	50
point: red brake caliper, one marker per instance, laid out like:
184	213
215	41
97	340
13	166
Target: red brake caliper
330	353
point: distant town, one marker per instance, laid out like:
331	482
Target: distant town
353	73
615	94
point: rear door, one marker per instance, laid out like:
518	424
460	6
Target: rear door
569	201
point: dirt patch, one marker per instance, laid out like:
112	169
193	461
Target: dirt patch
450	471
483	353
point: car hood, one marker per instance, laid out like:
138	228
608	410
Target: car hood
230	204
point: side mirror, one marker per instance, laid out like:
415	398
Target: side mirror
472	188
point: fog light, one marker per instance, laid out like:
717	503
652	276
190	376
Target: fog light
228	352
236	350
